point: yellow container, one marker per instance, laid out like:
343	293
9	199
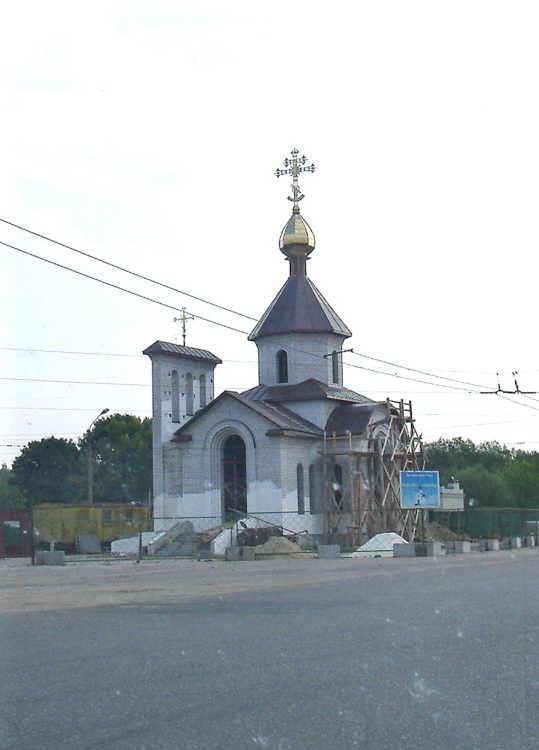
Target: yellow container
56	522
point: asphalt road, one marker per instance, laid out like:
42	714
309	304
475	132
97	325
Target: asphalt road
422	654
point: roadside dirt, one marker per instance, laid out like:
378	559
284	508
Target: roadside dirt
24	588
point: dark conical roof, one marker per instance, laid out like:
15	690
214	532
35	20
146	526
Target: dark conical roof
299	307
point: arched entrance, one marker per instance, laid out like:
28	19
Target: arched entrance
234	478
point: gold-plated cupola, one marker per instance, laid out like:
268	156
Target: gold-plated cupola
297	237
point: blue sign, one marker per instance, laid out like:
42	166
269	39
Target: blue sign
420	489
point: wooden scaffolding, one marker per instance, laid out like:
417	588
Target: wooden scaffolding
361	492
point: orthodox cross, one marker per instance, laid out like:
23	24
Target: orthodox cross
184	317
294	166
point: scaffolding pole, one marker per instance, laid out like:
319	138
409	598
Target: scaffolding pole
368	502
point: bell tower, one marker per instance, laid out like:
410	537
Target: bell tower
182	384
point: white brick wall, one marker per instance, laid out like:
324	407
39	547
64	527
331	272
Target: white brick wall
305	356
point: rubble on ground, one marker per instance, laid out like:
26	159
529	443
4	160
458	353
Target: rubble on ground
207	536
436	532
129	545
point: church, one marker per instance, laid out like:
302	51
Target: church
299	449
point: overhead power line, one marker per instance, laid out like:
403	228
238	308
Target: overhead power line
237	330
28	350
72	408
207	320
19	435
119	288
64	351
414	380
125	270
519	403
421	372
77	382
101	382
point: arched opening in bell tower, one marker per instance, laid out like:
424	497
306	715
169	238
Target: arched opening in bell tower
234	478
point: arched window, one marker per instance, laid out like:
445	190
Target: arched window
337	484
175	396
234	475
282	366
301	489
202	391
335	367
313	500
189	394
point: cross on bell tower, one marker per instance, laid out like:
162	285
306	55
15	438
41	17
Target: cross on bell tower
183	318
294	166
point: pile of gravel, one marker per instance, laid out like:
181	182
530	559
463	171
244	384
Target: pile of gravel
436	532
277	545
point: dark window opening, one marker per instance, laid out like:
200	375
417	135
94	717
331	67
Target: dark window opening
202	391
282	366
234	478
107	515
301	489
189	410
175	396
335	367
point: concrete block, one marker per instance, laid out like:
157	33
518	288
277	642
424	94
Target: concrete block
404	550
516	542
50	557
434	549
329	551
493	545
237	554
529	541
232	553
462	547
87	544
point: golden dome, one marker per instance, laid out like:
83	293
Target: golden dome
297	237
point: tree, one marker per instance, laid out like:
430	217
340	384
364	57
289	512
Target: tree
523	479
450	456
122	454
489	490
10	495
48	471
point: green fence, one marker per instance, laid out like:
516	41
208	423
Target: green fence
490	522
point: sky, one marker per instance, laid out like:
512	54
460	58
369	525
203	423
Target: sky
148	134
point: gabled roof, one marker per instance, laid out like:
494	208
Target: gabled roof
188	352
279	416
299	307
308	390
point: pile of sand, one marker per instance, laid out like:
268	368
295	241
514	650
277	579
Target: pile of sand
277	545
380	545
